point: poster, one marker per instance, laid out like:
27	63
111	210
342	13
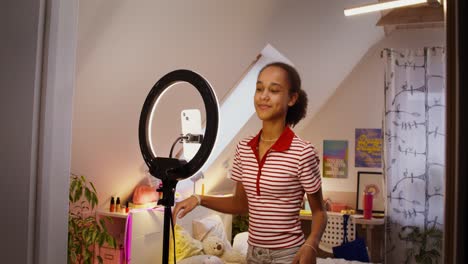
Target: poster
370	182
368	148
335	159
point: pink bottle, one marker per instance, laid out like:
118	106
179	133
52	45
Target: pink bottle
368	197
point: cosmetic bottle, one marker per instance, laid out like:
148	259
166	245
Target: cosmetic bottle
127	208
368	197
117	205
112	205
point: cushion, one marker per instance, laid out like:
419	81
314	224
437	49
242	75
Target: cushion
185	245
210	226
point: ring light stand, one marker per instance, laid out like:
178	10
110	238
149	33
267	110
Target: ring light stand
170	170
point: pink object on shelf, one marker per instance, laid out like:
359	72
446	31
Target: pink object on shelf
145	194
337	207
368	198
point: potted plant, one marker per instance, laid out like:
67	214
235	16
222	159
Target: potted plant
84	231
427	244
240	223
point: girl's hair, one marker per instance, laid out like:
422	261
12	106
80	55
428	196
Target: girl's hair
298	111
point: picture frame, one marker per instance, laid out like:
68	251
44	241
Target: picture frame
371	181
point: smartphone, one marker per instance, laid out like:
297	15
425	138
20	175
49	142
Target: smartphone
191	124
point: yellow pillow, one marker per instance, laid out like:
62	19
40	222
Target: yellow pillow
186	246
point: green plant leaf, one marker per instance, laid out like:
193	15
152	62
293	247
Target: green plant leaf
92	186
73	256
101	239
95	199
94	235
72	186
84	230
111	241
87	194
78	193
110	219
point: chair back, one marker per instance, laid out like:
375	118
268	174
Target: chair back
334	232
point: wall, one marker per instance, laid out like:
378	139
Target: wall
36	88
125	47
19	111
358	103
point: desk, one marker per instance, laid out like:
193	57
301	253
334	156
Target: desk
375	250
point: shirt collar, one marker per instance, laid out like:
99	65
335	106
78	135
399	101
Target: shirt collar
283	143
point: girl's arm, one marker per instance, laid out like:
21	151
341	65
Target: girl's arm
319	218
308	252
236	204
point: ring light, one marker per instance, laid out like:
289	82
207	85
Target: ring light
170	170
165	167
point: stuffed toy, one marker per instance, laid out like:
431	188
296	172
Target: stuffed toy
214	245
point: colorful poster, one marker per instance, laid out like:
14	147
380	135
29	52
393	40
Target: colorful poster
368	148
335	159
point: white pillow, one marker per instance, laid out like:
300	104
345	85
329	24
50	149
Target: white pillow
210	226
240	242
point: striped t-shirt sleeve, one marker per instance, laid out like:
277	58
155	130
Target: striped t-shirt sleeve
236	171
309	169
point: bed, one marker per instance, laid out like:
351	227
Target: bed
144	232
143	243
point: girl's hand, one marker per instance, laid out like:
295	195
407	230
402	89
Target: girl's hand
306	255
184	207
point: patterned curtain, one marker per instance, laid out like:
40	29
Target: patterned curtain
414	154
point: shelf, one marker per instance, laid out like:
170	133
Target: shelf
358	219
103	212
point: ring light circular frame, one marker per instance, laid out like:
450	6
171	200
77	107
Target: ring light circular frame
186	170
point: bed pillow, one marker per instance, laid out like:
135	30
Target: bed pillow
185	245
210	226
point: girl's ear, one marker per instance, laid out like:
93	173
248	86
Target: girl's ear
293	99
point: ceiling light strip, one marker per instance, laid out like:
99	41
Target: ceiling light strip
381	6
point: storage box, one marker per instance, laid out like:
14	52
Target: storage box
110	255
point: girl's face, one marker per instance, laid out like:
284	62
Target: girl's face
272	97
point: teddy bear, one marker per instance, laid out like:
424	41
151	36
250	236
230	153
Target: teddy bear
214	245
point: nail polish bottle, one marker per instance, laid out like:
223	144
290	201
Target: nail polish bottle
117	205
112	205
127	208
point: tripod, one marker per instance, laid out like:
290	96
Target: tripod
168	190
170	171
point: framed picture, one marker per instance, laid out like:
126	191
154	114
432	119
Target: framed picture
369	181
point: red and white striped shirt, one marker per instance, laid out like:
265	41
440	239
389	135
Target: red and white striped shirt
275	187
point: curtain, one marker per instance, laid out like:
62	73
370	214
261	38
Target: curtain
414	154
